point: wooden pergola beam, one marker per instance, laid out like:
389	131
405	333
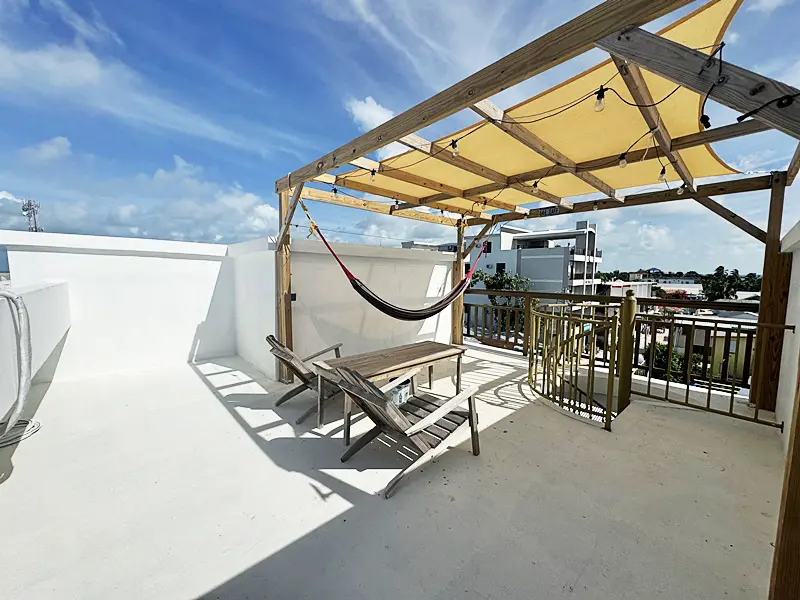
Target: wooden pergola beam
376	207
732	218
776	274
447	156
495	115
368	188
737	88
478	237
287	218
637	86
370	166
693	140
735	186
794	166
552	49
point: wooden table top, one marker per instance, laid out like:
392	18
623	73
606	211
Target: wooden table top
378	363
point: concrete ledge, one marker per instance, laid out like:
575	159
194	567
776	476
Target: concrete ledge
49	313
91	244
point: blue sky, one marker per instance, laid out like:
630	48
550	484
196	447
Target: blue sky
174	119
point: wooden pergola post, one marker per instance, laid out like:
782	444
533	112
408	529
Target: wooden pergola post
785	580
283	274
457	308
776	275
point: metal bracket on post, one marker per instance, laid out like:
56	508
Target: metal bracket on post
627	316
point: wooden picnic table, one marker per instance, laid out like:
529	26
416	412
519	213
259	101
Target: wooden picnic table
383	364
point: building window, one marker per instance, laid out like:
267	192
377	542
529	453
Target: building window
501	268
466	268
488	248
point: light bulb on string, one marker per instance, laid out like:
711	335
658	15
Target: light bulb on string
594	206
372	176
662	177
535	188
623	160
454	148
600	104
335	191
681	190
705	121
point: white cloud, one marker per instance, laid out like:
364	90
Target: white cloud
94	30
180	202
73	75
368	114
48	151
767	6
733	37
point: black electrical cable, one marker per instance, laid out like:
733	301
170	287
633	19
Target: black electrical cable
705	120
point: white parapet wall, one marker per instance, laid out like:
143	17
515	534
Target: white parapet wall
139	304
255	302
787	384
327	310
48	309
135	303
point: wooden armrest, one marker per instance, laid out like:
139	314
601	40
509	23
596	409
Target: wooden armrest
402	379
441	411
321	352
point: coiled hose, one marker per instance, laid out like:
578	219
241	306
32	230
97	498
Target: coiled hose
13	429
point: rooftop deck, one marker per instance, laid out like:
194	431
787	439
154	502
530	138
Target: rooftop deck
185	482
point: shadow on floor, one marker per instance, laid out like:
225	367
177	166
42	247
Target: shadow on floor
250	400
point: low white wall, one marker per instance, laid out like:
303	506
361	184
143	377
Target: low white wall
48	310
254	269
135	303
327	310
787	383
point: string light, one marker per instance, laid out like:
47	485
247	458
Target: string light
600	104
594	206
535	188
662	177
372	176
623	160
681	190
454	146
334	190
705	121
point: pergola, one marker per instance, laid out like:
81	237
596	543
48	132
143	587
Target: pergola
634	120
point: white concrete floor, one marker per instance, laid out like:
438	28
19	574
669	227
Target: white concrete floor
186	483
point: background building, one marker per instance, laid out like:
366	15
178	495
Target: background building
563	261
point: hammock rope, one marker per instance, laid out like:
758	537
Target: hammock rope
396	312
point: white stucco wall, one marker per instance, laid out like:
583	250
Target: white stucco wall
135	303
254	271
49	315
327	310
784	406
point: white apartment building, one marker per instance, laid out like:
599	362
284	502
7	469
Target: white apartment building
564	261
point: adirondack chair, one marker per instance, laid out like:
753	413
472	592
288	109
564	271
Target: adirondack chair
427	421
304	374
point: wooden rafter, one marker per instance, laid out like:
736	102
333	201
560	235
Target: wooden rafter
733	218
637	86
368	188
794	166
372	166
287	218
478	237
735	87
445	155
553	48
495	115
735	186
377	207
692	140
